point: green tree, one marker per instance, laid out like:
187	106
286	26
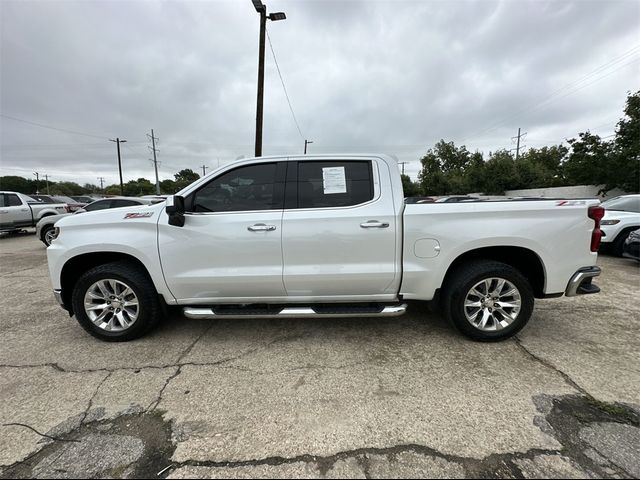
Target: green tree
141	186
499	173
589	162
626	161
185	177
168	186
14	183
411	189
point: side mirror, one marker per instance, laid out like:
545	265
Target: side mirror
175	210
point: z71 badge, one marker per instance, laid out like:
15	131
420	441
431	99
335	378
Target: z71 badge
138	215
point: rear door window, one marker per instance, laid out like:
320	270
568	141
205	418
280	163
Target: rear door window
326	184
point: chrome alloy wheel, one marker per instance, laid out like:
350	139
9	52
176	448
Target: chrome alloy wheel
492	304
50	236
111	305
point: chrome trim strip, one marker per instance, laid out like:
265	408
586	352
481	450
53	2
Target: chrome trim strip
207	313
579	277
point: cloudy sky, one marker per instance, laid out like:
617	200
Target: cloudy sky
387	76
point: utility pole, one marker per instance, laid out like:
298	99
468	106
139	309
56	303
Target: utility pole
403	164
204	167
37	182
46	177
101	182
518	144
306	142
118	141
155	160
262	10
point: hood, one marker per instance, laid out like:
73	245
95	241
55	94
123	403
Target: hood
137	213
619	214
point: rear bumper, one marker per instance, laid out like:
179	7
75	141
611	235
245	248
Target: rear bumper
580	283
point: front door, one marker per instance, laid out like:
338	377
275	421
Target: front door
339	232
229	249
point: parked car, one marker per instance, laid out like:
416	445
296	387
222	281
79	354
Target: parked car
73	204
85	199
631	247
320	236
19	211
43	198
621	218
45	228
419	200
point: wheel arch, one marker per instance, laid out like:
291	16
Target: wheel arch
78	265
526	261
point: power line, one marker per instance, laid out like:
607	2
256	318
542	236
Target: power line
283	86
573	87
50	127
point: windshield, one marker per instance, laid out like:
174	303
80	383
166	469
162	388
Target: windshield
626	204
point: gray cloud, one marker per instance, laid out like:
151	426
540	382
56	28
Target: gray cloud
390	76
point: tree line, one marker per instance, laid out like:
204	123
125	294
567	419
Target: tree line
132	188
588	160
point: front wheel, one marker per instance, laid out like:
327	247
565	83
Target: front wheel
116	302
48	235
488	300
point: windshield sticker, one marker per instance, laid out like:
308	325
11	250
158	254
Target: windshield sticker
334	180
138	215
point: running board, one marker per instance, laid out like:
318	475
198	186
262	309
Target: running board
292	312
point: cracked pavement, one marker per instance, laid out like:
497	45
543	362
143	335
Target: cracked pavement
302	398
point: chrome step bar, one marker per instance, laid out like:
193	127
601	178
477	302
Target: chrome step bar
293	312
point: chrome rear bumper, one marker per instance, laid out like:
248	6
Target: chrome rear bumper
580	283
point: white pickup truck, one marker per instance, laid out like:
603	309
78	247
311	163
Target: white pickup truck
21	211
321	236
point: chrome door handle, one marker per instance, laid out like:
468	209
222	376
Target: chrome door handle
261	227
374	224
24	209
4	211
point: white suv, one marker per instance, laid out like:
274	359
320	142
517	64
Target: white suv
622	217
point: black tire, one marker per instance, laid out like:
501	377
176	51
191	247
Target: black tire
43	234
149	313
460	283
618	244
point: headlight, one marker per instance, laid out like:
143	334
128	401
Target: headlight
609	222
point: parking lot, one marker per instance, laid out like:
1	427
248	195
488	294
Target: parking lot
399	397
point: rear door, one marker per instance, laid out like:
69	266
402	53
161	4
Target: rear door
14	213
338	230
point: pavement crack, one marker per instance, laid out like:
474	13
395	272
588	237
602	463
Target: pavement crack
153	405
570	381
44	435
95	393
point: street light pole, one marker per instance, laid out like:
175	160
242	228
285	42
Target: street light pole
118	141
262	10
306	142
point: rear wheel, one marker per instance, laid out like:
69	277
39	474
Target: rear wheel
116	302
488	300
